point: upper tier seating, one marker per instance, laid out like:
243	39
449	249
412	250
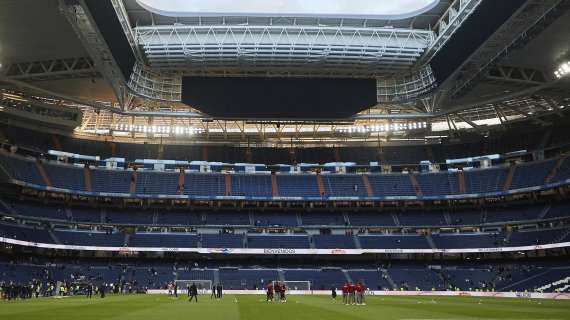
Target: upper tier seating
485	180
563	172
157	183
205	185
438	183
111	181
251	185
66	177
20	168
298	186
271	241
344	185
260	186
392	185
532	174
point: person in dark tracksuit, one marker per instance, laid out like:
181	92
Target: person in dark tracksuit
193	293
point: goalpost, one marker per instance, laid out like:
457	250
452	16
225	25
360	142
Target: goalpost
204	286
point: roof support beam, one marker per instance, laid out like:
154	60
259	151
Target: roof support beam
81	67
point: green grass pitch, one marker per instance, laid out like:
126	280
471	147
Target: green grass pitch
251	307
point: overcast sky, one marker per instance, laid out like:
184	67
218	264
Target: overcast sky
291	7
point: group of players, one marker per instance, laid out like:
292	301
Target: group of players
276	292
353	294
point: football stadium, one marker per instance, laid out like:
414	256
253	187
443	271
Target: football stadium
292	159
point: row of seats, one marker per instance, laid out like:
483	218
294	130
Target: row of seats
498	277
307	185
387	218
300	241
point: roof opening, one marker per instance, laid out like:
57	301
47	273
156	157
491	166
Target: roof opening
371	9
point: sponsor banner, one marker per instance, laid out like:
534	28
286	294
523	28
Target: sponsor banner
520	295
280	251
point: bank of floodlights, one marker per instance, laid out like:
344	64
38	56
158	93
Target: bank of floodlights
177	130
563	71
392	127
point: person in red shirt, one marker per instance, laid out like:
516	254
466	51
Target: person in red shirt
351	293
283	289
359	293
345	293
270	291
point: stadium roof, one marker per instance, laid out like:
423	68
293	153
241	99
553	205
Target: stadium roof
509	76
376	9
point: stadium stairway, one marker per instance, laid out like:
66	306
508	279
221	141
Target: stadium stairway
312	243
430	241
103	216
514	284
346	219
281	274
556	284
509	179
447	218
367	185
321	185
133	186
299	219
43	173
508	235
68	214
87	178
4	207
357	244
554	170
544	211
396	220
53	237
274	186
181	181
416	185
461	178
389	279
346	275
228	184
216	276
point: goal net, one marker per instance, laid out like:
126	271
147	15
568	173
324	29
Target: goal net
204	286
296	285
